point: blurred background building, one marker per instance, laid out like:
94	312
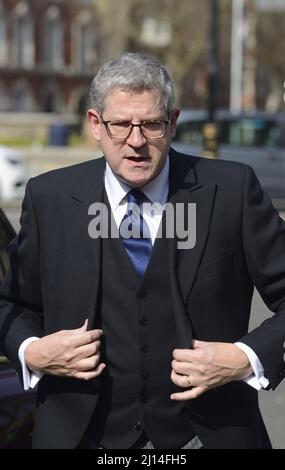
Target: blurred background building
51	49
48	51
177	32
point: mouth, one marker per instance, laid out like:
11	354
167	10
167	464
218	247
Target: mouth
137	159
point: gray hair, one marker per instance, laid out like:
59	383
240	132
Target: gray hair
132	72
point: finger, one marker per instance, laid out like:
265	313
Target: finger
184	355
86	337
197	344
89	364
91	374
76	330
180	380
185	368
189	394
91	336
87	350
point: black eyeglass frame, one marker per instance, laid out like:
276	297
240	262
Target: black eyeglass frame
166	122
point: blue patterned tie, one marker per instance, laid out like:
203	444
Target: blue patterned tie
138	246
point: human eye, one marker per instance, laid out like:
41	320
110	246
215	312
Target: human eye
119	124
152	125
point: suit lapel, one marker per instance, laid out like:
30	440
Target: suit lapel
84	252
185	188
188	260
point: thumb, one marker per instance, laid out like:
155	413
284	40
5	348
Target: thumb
85	325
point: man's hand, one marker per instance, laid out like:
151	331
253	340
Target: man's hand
67	353
209	365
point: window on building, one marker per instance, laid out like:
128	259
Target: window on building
53	101
82	105
84	51
24	40
3	36
3	98
22	99
54	38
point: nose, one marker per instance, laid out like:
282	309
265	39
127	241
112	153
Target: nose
136	138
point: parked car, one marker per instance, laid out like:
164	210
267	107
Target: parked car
16	405
13	174
257	139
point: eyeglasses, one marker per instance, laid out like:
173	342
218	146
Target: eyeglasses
123	129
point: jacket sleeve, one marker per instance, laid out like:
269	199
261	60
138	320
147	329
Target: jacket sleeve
21	310
264	247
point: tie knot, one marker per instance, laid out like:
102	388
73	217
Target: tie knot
135	196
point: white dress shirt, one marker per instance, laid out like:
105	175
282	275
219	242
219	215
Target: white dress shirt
156	191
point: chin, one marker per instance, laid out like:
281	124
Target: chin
137	181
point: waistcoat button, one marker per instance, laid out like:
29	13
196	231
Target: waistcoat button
143	321
145	375
138	426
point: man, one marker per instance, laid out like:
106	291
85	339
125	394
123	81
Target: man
139	342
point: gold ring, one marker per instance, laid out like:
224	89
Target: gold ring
189	381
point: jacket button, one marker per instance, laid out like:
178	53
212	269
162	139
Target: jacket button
138	426
145	375
144	348
143	321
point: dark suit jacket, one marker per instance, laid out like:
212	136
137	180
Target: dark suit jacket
55	277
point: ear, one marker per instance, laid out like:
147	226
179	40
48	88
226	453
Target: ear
174	117
95	124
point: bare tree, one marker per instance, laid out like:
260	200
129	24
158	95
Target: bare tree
175	31
271	65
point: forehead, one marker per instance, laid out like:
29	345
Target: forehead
125	102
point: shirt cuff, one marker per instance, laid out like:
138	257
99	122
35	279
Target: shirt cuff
256	380
30	378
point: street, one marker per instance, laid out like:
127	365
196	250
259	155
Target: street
272	403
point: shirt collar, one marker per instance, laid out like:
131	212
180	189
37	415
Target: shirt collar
155	191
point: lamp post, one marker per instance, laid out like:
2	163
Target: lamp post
237	55
210	131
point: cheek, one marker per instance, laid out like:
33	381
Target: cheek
113	156
113	160
160	151
110	150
